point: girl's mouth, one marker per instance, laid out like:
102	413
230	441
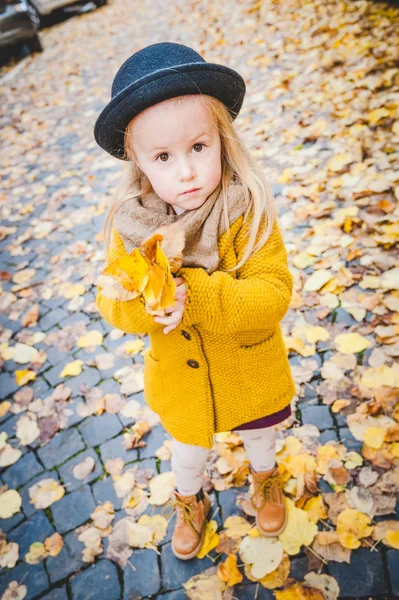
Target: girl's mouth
190	192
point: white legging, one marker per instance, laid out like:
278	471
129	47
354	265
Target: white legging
188	461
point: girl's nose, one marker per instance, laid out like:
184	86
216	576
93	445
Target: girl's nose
187	171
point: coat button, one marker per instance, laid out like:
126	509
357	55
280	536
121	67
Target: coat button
193	363
186	335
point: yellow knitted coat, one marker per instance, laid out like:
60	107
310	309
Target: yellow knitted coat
225	364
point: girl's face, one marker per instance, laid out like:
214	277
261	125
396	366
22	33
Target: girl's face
177	146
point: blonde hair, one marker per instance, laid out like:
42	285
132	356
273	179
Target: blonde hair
236	162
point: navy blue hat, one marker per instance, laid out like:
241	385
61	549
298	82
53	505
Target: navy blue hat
156	73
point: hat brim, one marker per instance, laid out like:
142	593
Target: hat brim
195	78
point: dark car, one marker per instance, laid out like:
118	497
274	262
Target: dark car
18	24
20	20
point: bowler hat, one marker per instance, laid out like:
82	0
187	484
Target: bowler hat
156	73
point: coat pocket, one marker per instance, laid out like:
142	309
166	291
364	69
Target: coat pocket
153	382
265	372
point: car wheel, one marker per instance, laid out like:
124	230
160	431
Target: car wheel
34	44
34	16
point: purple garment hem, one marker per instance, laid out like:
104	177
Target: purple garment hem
268	421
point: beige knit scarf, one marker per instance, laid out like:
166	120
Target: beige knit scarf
137	219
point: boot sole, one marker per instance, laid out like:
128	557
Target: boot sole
273	533
194	553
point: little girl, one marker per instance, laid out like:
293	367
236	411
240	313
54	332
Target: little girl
222	365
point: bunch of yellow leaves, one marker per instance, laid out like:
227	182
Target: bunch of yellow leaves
147	270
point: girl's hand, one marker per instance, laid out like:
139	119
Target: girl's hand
177	310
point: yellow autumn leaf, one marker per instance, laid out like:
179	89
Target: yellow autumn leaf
351	343
352	460
92	338
351	526
211	539
312	333
236	526
161	488
299	464
317	280
134	346
379	376
339	161
375	115
299	592
324	455
72	369
37	553
278	577
71	291
315	508
392	537
45	492
24	276
374	437
54	544
291	446
262	555
10	503
228	571
22	377
300	530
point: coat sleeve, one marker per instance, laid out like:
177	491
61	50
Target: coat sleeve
257	299
129	316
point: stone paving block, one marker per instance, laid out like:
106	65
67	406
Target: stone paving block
33	576
103	490
175	572
154	441
251	591
90	377
22	471
165	465
53	375
177	595
10	425
76	317
350	442
73	509
365	574
37	529
317	415
61	447
11	522
393	569
341	316
74	418
98	582
27	505
114	448
99	428
54	317
327	435
8	385
145	580
54	356
68	561
70	482
40	387
56	594
227	502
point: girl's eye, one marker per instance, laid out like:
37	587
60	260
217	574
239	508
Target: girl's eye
196	146
163	155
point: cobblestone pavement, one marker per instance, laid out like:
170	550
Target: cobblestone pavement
56	183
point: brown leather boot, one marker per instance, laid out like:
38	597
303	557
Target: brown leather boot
269	502
190	524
